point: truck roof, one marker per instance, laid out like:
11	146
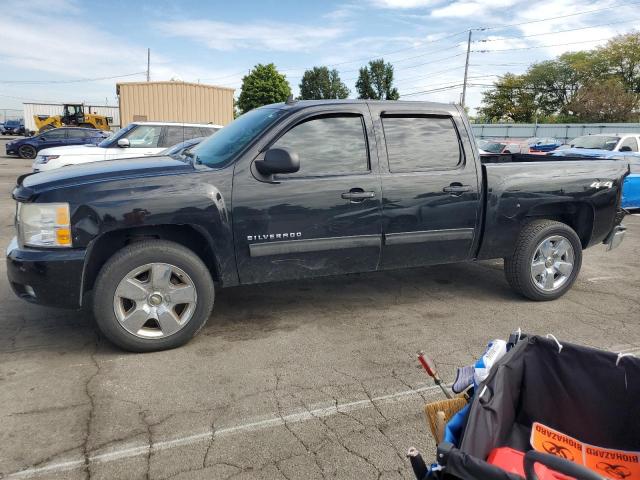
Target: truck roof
180	124
298	104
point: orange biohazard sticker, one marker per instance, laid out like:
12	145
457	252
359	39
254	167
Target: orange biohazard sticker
548	440
613	464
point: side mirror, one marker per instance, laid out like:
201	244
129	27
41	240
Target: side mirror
42	139
278	160
123	143
625	148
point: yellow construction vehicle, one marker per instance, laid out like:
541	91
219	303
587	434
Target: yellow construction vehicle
72	115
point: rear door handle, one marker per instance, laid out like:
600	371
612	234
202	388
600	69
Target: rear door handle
456	188
357	195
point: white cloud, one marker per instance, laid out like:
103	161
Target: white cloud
403	4
472	8
285	37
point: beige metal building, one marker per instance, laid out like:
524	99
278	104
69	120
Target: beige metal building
174	102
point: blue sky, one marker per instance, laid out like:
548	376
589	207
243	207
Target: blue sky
218	42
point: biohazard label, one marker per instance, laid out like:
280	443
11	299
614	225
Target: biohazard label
545	439
613	464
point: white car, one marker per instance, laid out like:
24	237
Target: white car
614	142
135	140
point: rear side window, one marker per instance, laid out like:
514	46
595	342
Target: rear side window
330	145
77	134
205	132
173	136
417	143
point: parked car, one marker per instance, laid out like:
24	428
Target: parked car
493	147
57	137
296	190
631	187
181	148
623	142
135	140
13	127
544	144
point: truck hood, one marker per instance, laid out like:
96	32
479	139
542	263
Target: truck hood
32	184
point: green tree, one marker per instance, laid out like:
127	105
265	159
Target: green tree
375	81
262	86
511	99
320	83
621	55
605	101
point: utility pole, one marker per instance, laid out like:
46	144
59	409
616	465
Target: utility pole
466	70
149	60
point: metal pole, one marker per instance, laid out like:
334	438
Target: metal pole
148	63
466	70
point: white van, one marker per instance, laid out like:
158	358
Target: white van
135	140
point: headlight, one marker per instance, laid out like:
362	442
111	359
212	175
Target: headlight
44	224
46	158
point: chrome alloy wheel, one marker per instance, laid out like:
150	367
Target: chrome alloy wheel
155	300
552	263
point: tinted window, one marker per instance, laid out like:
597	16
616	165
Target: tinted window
77	134
205	132
173	136
144	136
328	145
420	143
631	143
55	134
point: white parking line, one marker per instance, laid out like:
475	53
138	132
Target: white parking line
272	421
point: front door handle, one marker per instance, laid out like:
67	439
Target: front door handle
456	189
357	195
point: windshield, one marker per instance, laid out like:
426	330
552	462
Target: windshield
226	144
114	137
12	123
595	141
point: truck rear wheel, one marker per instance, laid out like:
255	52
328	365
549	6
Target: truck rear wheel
546	260
152	295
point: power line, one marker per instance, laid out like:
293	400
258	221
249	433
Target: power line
540	46
497	27
79	80
553	33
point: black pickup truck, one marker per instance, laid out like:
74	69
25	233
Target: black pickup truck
301	189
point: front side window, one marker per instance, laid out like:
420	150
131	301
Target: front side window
145	136
331	145
418	143
55	134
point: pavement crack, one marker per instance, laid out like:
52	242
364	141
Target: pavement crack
87	388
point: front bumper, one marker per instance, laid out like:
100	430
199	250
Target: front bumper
47	277
11	150
615	237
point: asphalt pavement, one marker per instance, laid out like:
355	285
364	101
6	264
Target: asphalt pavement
305	379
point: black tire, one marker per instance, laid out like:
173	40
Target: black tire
518	267
27	151
137	255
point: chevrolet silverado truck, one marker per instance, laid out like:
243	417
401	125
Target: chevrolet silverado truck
297	190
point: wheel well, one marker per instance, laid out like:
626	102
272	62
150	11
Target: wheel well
577	215
106	245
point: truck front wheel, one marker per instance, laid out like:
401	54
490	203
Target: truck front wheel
152	295
546	260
